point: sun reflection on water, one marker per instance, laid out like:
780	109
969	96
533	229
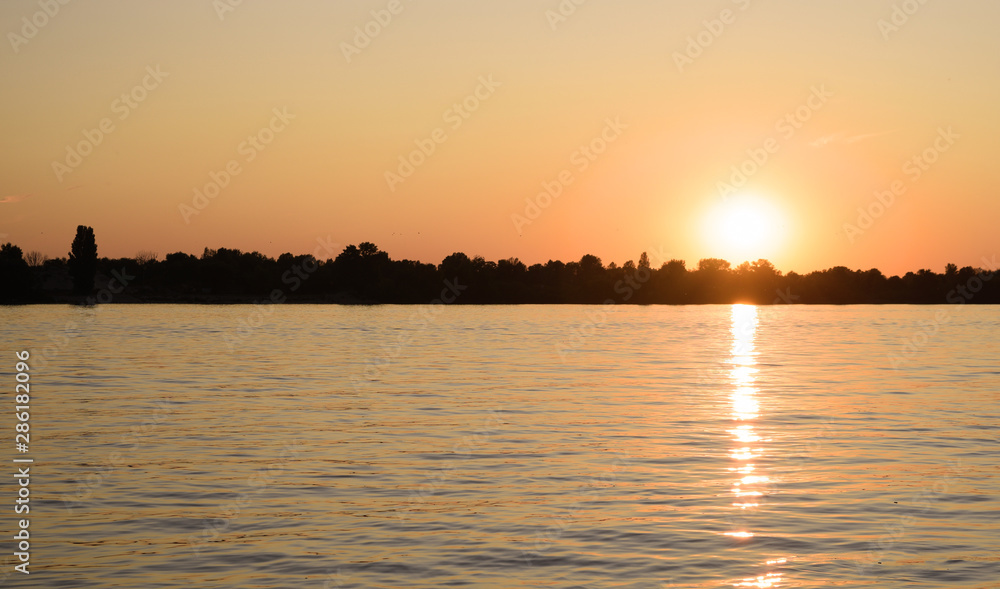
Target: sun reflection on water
768	580
748	484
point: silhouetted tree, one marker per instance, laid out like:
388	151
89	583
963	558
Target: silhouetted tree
712	265
144	257
35	258
670	283
644	261
593	285
510	281
83	260
365	274
368	249
15	277
710	282
457	265
756	282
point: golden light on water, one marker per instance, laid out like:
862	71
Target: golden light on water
744	330
768	580
744	404
745	410
743	375
745	433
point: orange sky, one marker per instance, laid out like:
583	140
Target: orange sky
633	112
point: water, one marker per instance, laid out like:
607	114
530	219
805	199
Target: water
714	446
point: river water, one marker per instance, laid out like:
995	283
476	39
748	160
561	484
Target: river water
508	446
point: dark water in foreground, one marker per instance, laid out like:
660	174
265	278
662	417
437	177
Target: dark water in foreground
551	447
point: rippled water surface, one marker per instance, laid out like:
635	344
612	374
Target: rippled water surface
557	447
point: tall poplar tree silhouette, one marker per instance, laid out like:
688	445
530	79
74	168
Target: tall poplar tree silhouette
83	260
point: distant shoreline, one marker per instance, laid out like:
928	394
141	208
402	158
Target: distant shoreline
322	302
363	275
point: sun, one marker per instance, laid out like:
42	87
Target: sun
744	227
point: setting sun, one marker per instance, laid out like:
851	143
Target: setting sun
382	293
744	227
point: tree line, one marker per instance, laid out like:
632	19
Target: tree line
364	274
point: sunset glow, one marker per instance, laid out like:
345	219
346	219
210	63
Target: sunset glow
503	293
501	130
745	228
